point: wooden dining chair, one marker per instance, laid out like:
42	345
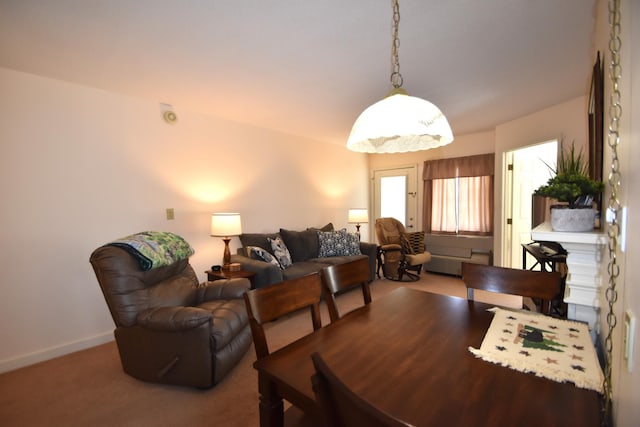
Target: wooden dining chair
542	285
267	304
338	278
342	407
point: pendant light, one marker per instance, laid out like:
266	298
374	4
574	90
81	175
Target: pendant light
399	123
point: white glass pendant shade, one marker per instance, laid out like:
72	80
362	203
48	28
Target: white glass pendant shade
399	123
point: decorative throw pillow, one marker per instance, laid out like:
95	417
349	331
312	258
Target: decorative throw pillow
353	244
261	254
302	245
413	243
281	252
257	239
328	227
338	243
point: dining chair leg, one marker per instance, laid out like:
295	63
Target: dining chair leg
271	405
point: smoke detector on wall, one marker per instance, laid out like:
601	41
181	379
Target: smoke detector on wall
168	114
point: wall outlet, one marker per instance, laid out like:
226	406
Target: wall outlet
629	338
170	214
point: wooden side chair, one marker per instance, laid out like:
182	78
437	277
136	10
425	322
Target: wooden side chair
341	406
337	278
267	304
542	285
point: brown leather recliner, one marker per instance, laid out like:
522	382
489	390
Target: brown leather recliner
169	328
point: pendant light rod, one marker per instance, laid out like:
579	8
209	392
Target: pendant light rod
396	77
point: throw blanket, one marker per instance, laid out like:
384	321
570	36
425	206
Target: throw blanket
154	249
560	350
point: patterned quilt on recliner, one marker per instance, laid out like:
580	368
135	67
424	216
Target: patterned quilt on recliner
154	249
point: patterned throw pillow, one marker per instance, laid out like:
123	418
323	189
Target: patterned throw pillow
413	243
338	243
281	252
259	253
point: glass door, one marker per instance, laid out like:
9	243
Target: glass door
395	195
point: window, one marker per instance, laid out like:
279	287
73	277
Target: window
458	195
393	196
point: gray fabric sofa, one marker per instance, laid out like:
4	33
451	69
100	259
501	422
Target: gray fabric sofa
305	250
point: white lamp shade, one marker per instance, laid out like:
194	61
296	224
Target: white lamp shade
358	216
399	123
226	224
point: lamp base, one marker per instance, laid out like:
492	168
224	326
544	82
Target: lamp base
226	258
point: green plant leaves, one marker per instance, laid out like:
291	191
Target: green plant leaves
571	183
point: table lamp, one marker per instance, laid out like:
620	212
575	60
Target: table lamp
225	225
357	216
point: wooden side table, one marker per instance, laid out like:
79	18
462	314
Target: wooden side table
227	274
549	261
546	260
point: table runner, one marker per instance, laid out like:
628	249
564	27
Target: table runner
557	349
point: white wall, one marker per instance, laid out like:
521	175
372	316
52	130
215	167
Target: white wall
626	383
80	167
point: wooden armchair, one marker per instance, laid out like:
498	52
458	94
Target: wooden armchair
400	254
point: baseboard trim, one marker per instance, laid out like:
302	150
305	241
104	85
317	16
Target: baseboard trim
52	352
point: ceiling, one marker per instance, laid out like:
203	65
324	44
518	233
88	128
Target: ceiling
309	68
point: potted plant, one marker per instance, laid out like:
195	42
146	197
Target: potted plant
574	189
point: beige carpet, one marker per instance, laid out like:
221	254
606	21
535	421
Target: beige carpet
89	388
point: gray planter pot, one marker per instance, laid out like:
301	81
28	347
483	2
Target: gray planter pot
572	220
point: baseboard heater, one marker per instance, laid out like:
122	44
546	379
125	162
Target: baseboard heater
449	252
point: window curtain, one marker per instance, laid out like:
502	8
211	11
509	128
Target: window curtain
475	194
476	199
443	194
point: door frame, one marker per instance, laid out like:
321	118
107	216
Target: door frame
414	195
511	184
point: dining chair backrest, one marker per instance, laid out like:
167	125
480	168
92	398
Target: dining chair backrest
342	407
543	285
340	277
267	304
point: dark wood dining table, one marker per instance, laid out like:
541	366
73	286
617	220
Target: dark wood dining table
407	353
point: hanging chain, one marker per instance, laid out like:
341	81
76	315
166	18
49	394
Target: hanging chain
396	77
613	139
